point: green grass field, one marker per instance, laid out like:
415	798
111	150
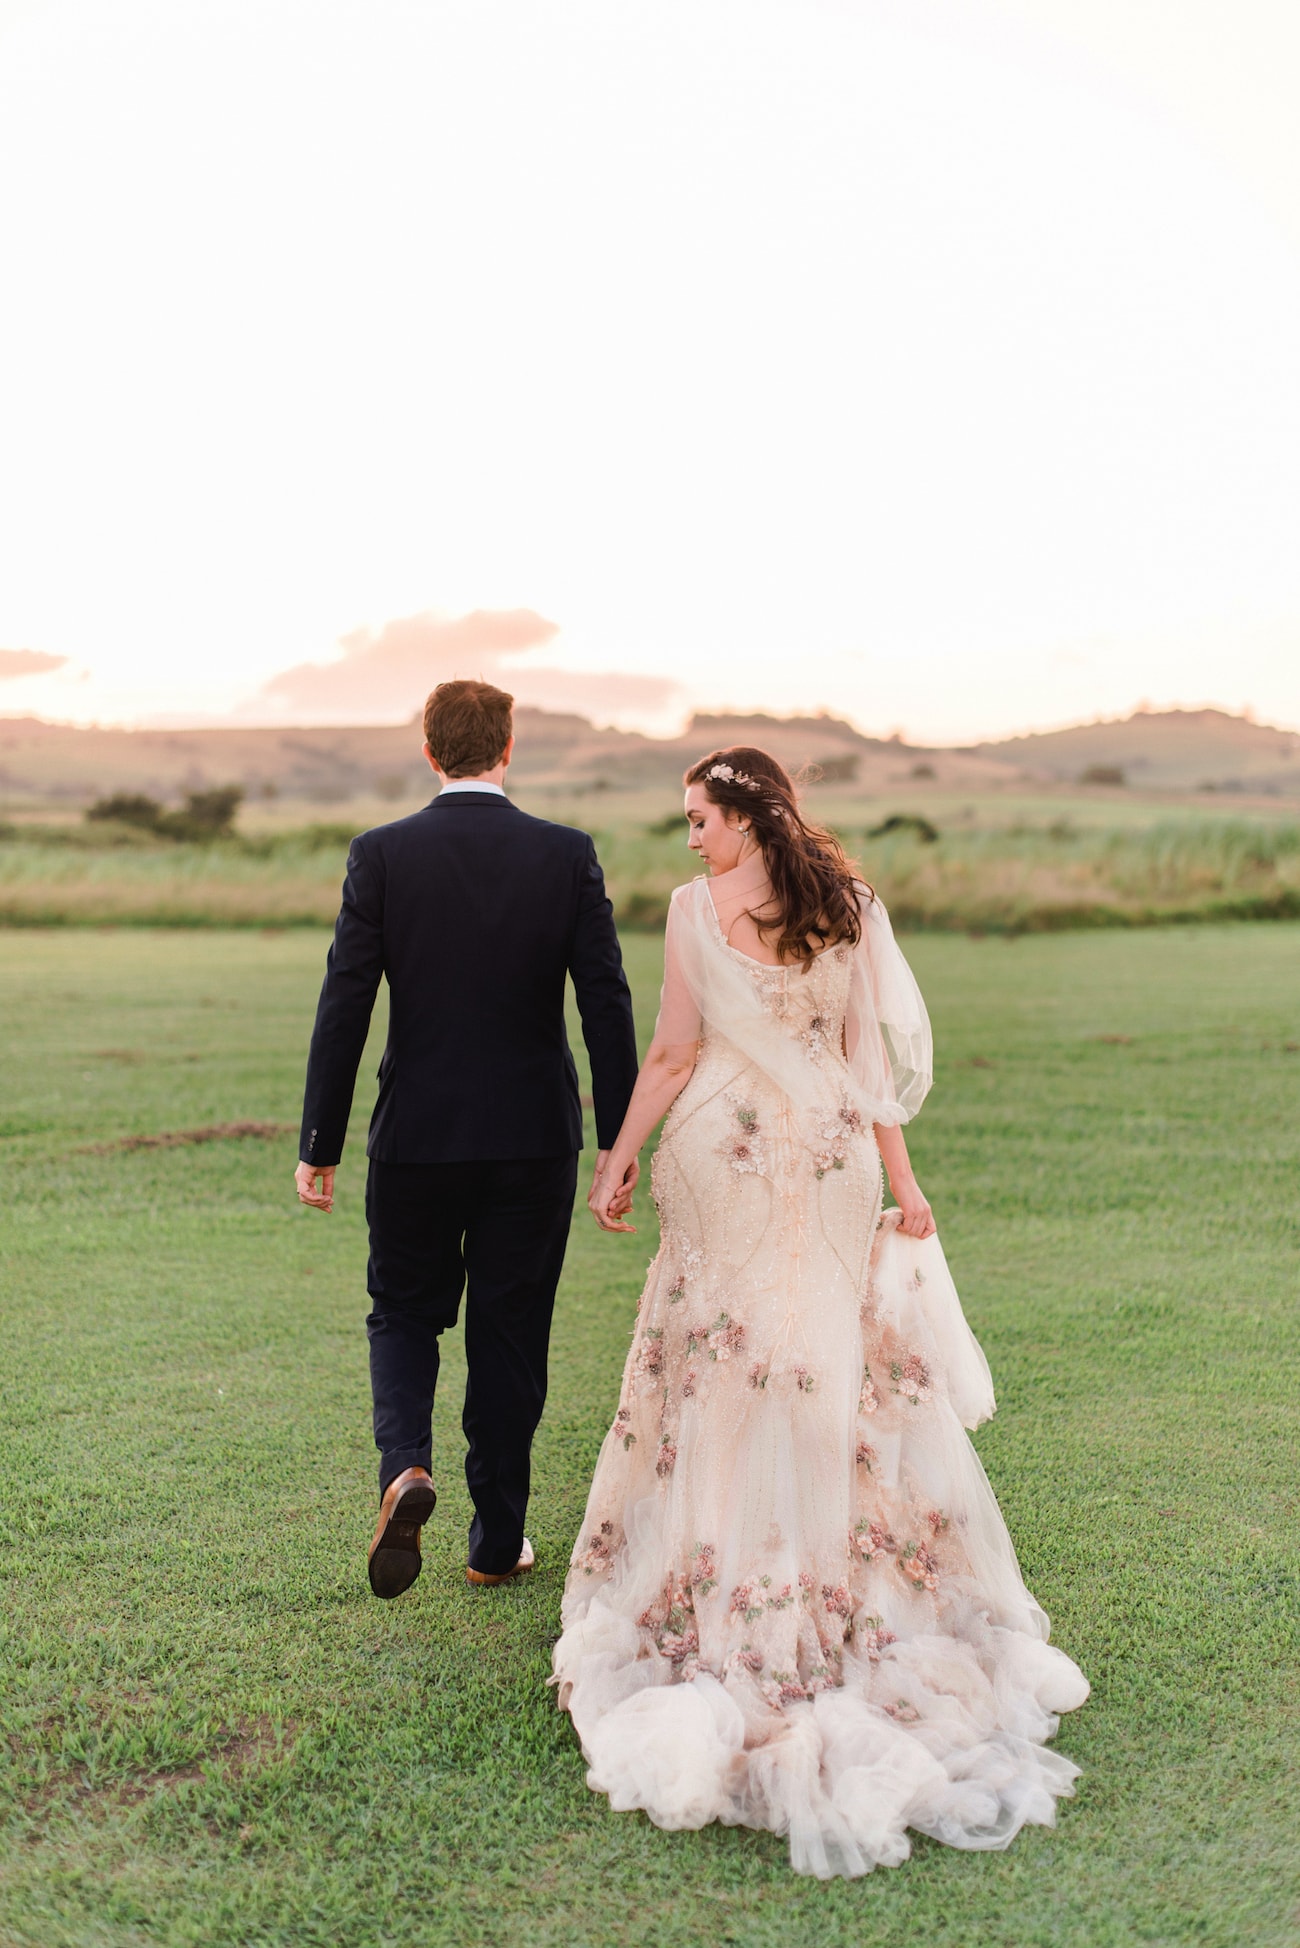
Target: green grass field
212	1732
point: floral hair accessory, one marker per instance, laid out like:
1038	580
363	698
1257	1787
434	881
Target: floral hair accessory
724	774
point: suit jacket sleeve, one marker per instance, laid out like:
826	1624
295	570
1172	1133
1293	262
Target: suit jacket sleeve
347	996
604	1001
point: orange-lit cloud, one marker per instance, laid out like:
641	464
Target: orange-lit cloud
394	668
388	672
28	662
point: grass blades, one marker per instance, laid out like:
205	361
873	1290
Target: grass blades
1041	873
214	1735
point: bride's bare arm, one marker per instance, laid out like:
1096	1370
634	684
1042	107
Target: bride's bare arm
918	1219
664	1074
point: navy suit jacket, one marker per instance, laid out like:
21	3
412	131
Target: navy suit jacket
474	912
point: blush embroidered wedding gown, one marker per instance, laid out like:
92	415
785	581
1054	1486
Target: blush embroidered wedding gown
793	1603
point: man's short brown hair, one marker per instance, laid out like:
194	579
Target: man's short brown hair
467	726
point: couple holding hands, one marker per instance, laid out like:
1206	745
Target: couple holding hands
793	1603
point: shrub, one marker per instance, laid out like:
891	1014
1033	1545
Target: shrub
1103	774
327	836
205	814
901	822
127	808
643	908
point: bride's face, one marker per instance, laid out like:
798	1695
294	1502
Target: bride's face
714	831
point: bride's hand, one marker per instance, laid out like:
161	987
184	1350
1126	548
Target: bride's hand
915	1218
918	1218
610	1198
621	1202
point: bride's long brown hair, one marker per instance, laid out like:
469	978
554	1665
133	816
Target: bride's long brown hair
815	886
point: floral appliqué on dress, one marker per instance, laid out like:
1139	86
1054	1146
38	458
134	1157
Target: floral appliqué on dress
689	1268
910	1378
598	1555
623	1427
744	1150
720	1340
834	1136
872	1540
919	1566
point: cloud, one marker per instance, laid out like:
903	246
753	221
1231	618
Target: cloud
387	673
393	669
28	662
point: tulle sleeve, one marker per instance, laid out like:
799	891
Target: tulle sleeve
679	1008
886	1030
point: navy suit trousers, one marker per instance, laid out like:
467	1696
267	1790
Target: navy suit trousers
496	1232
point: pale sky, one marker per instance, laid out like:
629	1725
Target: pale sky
931	364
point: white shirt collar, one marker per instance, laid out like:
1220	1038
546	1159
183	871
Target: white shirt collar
469	784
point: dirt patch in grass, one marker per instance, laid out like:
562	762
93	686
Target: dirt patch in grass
177	1139
241	1752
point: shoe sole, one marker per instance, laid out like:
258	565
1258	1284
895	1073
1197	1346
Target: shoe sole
395	1562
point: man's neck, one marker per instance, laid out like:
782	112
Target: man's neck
493	781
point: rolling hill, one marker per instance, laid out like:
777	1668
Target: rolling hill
1152	752
1167	750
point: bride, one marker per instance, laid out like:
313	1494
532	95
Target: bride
793	1603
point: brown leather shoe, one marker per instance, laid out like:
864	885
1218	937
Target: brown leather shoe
481	1579
394	1557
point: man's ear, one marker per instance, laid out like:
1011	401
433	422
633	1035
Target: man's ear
509	751
432	760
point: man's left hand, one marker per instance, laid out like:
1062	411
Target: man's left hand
305	1177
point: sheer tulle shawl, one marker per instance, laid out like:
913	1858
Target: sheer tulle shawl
887	1031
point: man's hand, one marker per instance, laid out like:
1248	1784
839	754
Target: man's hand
305	1178
610	1198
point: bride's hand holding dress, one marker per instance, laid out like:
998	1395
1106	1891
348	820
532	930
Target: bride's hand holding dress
917	1219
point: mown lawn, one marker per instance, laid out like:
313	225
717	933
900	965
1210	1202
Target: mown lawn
212	1732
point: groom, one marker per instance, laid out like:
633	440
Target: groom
474	913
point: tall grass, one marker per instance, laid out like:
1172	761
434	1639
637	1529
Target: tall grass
1050	879
1024	879
1020	879
219	885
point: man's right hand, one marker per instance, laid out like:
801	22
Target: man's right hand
305	1177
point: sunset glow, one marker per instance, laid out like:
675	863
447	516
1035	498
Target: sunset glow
932	366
